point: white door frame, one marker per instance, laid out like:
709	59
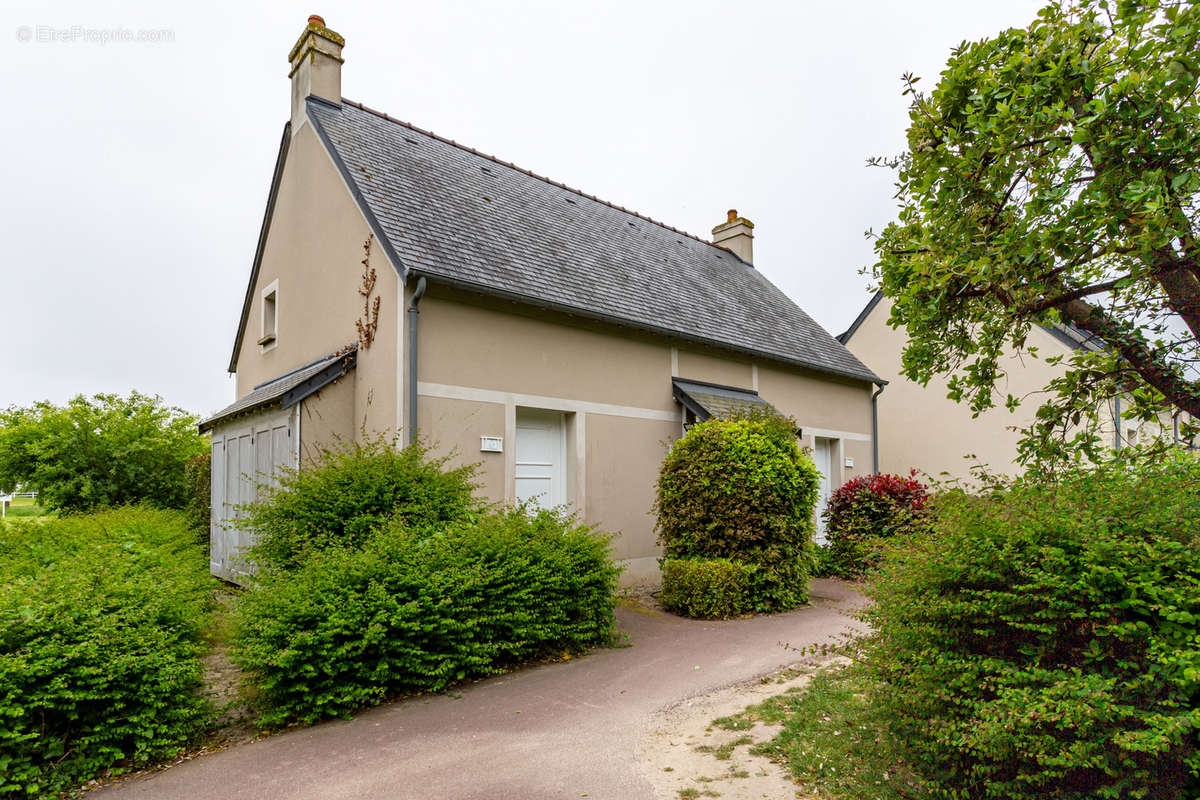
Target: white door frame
824	451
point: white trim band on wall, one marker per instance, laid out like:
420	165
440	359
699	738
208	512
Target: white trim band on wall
828	434
448	392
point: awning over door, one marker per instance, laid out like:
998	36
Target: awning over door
707	400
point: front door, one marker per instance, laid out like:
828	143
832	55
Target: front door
822	450
541	458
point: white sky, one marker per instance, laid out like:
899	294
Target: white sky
136	173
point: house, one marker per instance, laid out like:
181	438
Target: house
921	427
406	283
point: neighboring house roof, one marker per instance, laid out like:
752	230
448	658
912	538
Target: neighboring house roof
1070	336
1074	338
471	221
291	387
845	335
707	400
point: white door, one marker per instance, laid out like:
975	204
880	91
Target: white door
822	451
541	458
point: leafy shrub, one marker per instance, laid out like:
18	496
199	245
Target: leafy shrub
1044	641
866	509
705	588
106	450
742	489
100	640
198	475
349	491
823	564
417	610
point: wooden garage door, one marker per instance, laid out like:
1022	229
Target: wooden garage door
247	456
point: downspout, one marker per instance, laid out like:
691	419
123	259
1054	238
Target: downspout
1117	423
875	426
413	312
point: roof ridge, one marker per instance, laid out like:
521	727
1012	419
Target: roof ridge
530	173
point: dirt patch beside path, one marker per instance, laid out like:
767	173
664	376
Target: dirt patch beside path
684	755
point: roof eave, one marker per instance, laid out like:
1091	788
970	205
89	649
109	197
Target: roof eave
359	198
845	335
276	177
338	367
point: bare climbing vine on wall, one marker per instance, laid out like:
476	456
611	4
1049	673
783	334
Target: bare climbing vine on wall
370	315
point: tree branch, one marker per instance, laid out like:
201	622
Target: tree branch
1182	393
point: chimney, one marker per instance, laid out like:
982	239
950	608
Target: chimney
736	235
316	67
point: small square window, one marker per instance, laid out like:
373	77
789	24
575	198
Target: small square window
270	316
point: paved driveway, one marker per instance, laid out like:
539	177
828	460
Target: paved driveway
559	731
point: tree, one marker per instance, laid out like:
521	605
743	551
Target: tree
101	451
1053	177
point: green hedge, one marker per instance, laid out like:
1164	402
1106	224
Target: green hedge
197	474
101	619
742	489
1044	641
714	588
413	611
350	490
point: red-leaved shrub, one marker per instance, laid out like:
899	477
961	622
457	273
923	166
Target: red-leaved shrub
865	509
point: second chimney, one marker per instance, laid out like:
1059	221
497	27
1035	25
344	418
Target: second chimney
316	67
736	235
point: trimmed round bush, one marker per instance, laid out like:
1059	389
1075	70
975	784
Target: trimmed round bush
1044	640
864	510
101	623
741	489
414	611
350	490
712	588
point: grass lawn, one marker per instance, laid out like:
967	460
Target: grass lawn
26	507
832	741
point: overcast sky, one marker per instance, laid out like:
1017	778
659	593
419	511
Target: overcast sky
136	172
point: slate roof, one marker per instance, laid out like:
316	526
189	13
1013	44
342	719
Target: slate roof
469	220
707	400
291	387
1075	338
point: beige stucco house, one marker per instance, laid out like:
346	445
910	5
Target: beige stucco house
407	283
921	427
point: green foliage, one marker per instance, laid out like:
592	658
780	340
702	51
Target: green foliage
1053	177
834	739
352	489
106	450
706	588
101	619
1044	641
742	489
414	611
865	510
823	563
198	476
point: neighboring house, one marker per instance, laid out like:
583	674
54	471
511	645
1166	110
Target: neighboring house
921	427
559	340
